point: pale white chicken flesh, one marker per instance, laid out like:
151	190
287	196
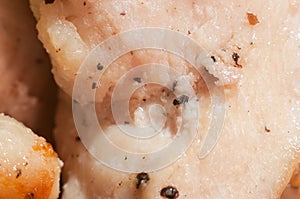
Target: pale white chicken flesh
256	49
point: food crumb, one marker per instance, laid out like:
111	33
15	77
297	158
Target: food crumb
122	13
252	19
267	130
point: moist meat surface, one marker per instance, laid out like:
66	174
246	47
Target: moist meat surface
257	59
29	167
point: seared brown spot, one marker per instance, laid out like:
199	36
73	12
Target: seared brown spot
44	147
37	185
252	19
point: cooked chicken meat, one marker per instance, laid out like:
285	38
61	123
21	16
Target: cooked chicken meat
29	167
28	92
255	49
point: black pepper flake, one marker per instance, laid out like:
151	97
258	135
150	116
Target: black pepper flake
94	85
49	1
189	32
19	173
122	13
174	85
29	196
180	100
213	58
138	79
125	158
75	101
267	130
235	58
141	178
99	66
126	122
169	192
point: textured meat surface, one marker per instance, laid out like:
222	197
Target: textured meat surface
27	88
29	168
259	145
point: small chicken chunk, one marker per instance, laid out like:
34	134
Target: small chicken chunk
29	167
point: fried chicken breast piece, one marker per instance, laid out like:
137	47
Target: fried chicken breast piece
29	167
28	91
256	48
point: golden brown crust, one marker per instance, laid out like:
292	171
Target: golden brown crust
29	167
